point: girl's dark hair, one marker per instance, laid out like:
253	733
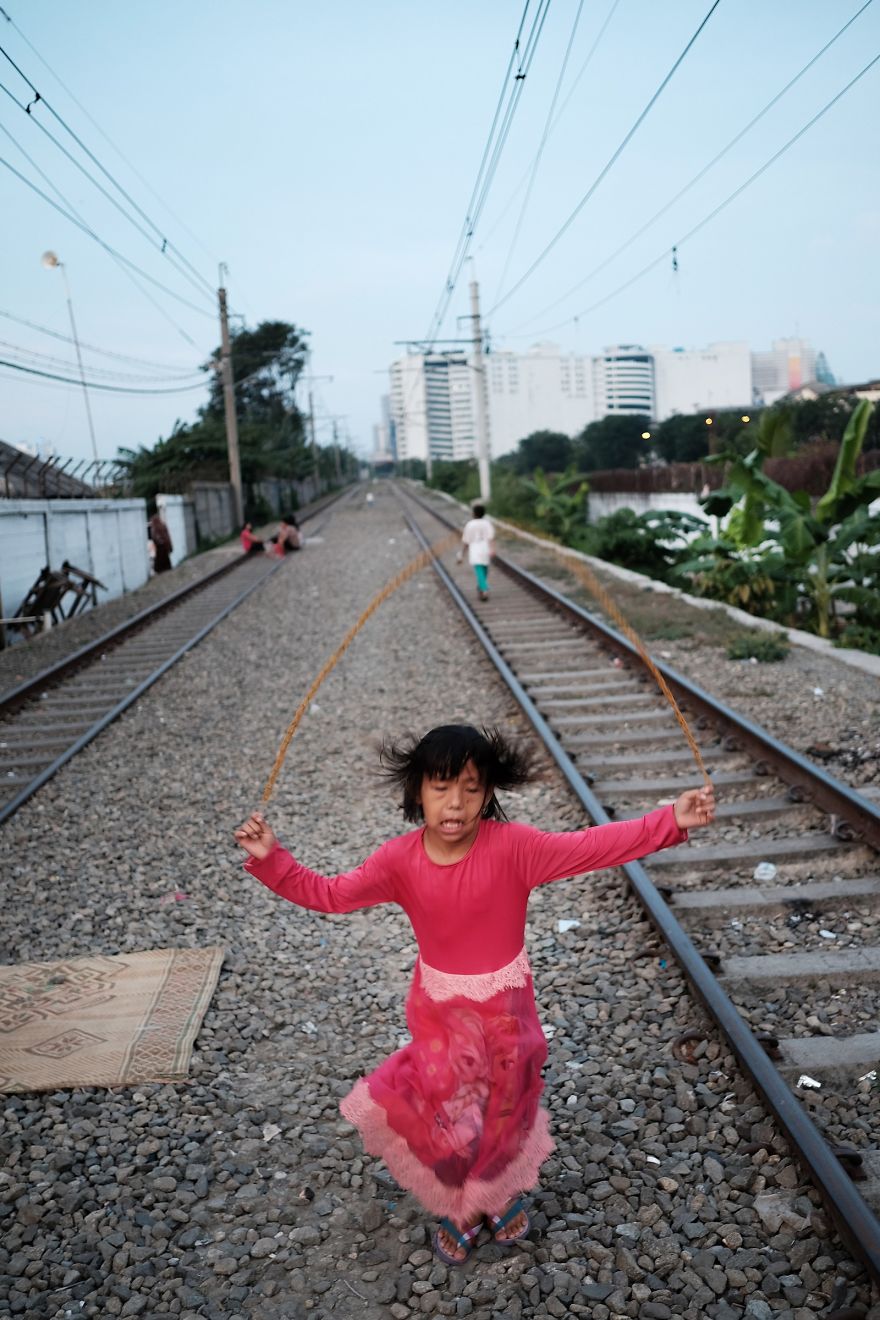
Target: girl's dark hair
443	753
479	510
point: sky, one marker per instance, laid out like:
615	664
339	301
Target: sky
326	153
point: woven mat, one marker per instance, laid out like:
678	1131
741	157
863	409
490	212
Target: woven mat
103	1021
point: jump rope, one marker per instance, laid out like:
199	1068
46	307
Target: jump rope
581	571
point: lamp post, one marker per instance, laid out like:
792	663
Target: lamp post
51	262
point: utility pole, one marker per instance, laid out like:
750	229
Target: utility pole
336	451
314	442
229	405
481	419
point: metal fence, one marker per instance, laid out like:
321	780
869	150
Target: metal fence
28	476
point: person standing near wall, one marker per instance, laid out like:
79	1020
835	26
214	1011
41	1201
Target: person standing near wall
161	538
479	537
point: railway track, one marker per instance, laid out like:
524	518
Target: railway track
747	913
47	720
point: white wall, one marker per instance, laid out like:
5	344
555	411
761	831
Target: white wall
603	502
107	538
172	509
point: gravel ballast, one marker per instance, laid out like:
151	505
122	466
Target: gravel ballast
242	1195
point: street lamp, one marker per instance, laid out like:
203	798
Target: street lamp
51	262
646	435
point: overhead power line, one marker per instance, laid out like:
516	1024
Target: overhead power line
166	244
608	165
108	373
698	176
91	348
701	224
511	90
97	385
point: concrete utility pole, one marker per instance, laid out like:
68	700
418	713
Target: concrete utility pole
481	418
336	451
229	405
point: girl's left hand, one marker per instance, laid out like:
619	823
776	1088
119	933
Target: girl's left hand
695	808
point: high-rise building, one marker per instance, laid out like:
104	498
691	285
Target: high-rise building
541	390
788	365
432	406
688	380
623	381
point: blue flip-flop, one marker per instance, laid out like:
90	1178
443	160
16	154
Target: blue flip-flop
497	1222
464	1240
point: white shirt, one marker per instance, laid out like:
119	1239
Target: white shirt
476	535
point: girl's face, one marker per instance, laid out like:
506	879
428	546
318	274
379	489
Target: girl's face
452	807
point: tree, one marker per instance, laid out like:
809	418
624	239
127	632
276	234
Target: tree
559	505
614	442
549	450
267	363
831	551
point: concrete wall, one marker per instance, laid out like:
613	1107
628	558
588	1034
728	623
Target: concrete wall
107	538
214	510
179	516
602	502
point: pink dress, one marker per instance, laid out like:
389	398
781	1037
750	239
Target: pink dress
456	1114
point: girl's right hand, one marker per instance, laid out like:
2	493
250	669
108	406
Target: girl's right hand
255	836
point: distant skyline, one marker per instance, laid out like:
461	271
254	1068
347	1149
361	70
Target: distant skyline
327	153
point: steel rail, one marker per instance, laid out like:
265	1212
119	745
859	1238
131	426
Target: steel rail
9	808
14	697
857	1224
822	789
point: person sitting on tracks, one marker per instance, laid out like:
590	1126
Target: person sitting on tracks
456	1113
479	537
250	544
288	537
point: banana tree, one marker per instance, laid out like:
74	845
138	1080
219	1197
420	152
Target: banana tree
561	505
828	547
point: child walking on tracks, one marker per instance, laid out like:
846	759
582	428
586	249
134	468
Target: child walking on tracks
455	1114
479	536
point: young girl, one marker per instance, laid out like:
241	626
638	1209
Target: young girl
455	1115
479	537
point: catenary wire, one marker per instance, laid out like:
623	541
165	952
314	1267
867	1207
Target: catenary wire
119	152
548	122
166	243
608	165
491	156
701	224
697	177
524	177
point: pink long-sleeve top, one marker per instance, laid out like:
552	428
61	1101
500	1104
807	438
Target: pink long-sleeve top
468	916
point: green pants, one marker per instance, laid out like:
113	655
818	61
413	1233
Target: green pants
482	572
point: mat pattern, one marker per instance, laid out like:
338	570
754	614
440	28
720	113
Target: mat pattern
100	1021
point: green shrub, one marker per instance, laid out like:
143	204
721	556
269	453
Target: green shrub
765	647
860	638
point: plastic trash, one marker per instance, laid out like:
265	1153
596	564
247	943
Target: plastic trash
271	1130
651	1159
828	934
869	1076
818	692
309	1028
764	871
178	896
566	924
809	1083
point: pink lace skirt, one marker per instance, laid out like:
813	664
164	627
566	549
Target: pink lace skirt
455	1114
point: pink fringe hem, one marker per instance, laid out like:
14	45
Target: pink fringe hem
460	1204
